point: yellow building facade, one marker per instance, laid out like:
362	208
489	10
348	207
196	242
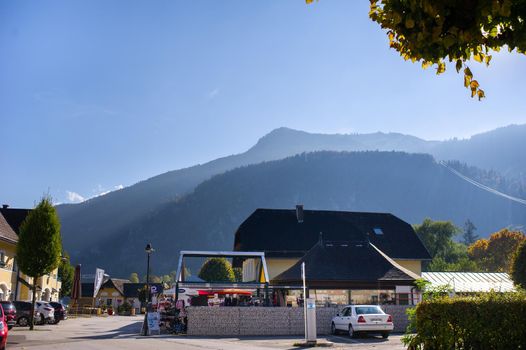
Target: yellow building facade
278	265
14	285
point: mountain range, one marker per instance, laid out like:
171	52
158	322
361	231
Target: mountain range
200	207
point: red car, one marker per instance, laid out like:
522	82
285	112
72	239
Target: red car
10	313
3	329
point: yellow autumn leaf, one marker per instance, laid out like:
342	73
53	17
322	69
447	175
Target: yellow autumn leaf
481	94
467	80
474	84
488	59
426	64
478	57
441	68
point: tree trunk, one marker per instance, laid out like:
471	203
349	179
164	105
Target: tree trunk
32	316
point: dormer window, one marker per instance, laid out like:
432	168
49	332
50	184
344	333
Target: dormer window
378	231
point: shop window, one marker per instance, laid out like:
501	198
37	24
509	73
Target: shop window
3	259
403	298
372	296
330	297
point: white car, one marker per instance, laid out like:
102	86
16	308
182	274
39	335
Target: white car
47	311
362	319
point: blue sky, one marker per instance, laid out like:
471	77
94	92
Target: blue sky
95	95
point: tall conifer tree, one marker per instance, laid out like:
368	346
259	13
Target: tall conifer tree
39	245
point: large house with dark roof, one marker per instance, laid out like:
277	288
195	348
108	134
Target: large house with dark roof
114	292
349	256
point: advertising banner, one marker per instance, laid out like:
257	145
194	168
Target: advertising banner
99	276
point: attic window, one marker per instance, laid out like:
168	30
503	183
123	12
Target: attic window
378	231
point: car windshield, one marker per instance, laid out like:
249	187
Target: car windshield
364	310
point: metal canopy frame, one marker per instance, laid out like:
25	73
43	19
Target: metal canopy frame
223	254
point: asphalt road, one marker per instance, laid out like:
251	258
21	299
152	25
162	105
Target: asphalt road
120	332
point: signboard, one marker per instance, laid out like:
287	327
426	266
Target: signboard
99	276
153	290
311	320
153	322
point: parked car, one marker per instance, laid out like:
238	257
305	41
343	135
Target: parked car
60	311
47	311
356	319
4	330
10	313
23	311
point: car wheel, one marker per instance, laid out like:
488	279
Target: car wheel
42	321
23	321
333	329
385	335
352	333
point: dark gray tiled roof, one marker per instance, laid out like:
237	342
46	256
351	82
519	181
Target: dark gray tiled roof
352	262
277	232
6	231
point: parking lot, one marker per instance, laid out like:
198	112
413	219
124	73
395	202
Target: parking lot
121	332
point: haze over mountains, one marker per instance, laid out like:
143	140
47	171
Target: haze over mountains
201	206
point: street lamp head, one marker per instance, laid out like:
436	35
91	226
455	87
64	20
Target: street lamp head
149	248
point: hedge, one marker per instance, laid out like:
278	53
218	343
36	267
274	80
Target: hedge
488	321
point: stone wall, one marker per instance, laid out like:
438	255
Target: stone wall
241	321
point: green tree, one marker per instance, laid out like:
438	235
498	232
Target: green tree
166	279
437	237
65	274
217	270
463	264
39	244
469	236
435	31
134	277
447	254
518	269
238	273
155	279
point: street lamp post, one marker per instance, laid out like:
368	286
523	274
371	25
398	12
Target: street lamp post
148	250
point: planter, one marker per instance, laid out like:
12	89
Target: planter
110	312
133	311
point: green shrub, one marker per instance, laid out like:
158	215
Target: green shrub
487	321
217	270
124	308
518	269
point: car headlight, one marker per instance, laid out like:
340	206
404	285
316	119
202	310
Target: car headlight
2	327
